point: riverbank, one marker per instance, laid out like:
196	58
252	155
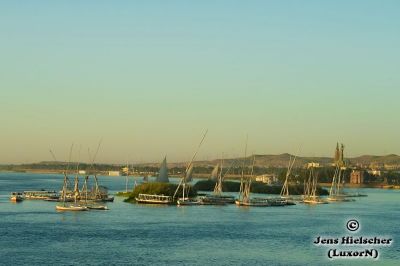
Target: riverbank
198	176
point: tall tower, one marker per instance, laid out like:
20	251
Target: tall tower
342	155
337	154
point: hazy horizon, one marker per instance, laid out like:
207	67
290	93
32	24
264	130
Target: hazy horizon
150	77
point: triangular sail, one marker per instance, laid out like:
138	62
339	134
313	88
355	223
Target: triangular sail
214	173
189	174
218	184
163	172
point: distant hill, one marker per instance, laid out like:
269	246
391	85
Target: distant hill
391	161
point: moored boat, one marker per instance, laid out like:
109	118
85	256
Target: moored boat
97	207
253	203
310	189
153	199
71	208
16	197
187	202
218	199
41	195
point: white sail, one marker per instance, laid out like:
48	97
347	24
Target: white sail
163	172
189	174
214	173
76	189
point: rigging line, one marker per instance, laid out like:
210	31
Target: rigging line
198	147
79	159
69	159
95	155
244	159
52	154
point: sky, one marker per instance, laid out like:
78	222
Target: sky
149	77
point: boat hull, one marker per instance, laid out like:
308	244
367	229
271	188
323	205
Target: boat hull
152	201
71	208
187	203
314	202
15	199
252	204
98	208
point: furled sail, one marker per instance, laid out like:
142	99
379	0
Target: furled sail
189	174
163	173
214	173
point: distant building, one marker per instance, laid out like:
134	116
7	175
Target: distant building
375	172
82	172
376	165
125	171
336	157
314	165
339	155
391	166
113	173
357	177
267	178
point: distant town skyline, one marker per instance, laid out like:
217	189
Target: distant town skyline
149	77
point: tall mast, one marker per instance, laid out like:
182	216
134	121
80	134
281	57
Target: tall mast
242	175
247	185
183	180
285	187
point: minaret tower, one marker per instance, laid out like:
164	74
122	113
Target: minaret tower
337	155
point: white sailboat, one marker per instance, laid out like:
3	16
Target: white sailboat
285	195
70	207
244	193
217	197
245	185
310	189
335	192
187	177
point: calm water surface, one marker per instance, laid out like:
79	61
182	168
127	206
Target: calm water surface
32	232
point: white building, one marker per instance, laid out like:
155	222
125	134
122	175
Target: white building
314	165
113	173
375	172
267	178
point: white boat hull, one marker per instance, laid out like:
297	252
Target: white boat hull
71	208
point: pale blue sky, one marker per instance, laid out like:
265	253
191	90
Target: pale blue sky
150	76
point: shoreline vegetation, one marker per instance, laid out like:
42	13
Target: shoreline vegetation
168	189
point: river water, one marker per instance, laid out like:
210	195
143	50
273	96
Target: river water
34	233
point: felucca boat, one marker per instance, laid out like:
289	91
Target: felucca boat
245	185
16	197
335	193
288	200
70	207
217	198
186	178
310	189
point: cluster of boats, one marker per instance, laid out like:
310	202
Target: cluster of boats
82	199
310	194
34	195
75	199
